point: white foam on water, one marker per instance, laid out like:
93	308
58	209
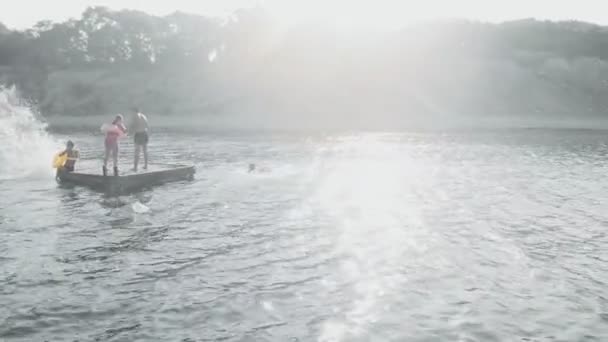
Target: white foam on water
26	149
139	208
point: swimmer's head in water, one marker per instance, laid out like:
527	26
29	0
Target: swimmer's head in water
251	167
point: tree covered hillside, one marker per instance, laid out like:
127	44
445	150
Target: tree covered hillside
249	64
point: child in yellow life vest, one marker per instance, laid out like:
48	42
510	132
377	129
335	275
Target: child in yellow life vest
70	155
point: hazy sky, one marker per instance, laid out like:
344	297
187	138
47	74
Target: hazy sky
378	13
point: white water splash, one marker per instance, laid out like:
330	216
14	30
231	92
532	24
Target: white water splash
212	56
26	149
139	208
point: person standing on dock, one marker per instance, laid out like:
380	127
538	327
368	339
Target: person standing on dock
113	132
140	137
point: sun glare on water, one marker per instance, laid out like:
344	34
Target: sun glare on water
367	189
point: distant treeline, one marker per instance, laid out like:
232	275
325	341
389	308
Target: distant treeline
102	37
190	64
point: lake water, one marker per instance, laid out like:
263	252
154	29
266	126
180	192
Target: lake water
464	236
485	235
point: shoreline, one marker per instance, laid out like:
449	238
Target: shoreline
250	124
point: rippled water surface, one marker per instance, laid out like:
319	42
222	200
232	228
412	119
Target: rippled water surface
480	236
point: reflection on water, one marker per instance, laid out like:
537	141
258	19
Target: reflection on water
488	236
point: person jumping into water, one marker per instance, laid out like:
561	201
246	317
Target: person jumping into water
113	132
140	137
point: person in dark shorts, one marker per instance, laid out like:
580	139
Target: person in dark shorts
140	137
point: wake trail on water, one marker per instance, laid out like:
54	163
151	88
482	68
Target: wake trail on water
26	149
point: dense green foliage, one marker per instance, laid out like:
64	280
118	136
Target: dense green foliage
103	37
188	64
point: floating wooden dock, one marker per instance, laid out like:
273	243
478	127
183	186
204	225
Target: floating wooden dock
127	180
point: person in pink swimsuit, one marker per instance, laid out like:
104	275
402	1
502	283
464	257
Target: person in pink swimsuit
116	130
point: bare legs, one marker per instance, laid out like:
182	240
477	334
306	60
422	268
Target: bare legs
111	150
115	156
145	156
106	155
138	149
136	157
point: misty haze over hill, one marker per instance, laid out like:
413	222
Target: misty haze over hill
251	70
